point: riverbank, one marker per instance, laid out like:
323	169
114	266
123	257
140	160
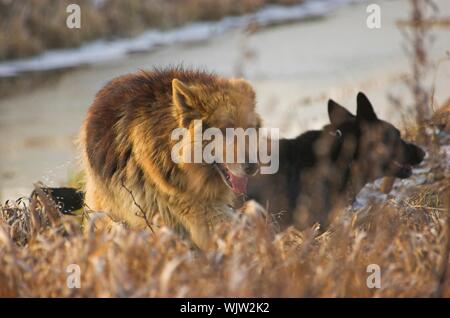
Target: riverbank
41	25
193	27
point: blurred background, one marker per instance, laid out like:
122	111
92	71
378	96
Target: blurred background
296	53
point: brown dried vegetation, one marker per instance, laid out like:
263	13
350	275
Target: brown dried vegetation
408	239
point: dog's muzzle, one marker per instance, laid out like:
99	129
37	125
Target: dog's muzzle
236	181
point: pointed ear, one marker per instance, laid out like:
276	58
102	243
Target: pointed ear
184	98
338	114
364	110
242	85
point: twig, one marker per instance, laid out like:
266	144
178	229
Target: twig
52	208
144	215
443	273
436	70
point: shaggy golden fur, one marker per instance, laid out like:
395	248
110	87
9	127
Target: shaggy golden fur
126	145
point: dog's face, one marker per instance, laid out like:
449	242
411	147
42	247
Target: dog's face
380	149
391	155
231	105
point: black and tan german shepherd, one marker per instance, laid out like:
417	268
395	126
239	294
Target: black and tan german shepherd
322	168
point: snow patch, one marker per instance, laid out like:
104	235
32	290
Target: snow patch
101	50
371	192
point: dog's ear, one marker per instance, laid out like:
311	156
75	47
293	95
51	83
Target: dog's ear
183	96
364	110
338	114
242	85
184	100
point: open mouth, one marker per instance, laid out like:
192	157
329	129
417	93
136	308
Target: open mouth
236	183
402	170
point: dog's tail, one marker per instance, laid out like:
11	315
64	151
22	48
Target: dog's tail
67	200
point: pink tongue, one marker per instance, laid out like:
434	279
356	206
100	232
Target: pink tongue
239	184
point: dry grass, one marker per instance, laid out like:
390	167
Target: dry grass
407	239
40	25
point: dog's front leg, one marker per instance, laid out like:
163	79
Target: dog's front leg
202	224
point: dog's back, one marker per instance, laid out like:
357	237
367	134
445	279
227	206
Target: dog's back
296	182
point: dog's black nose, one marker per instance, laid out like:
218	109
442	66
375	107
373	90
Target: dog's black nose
251	168
415	154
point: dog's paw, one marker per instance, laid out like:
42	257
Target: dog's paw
253	209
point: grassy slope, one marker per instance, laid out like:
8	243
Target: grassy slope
408	239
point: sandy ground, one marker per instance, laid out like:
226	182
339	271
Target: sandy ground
295	69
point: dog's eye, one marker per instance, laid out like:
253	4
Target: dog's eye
391	136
